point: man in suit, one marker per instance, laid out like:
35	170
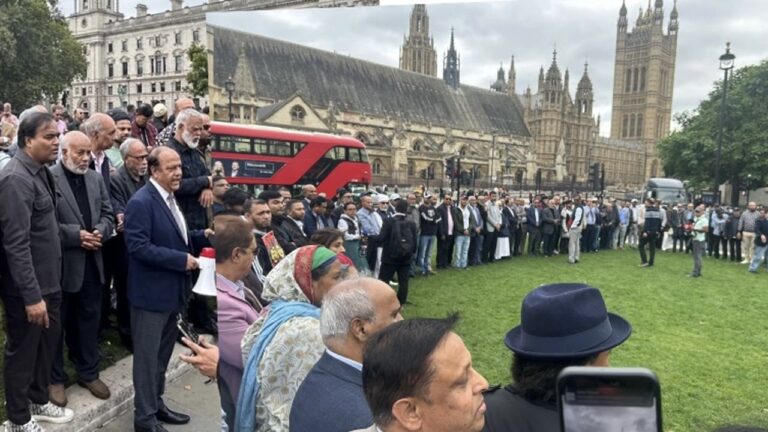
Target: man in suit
445	231
534	220
159	261
316	217
476	237
30	264
123	184
291	234
308	193
550	225
85	221
331	396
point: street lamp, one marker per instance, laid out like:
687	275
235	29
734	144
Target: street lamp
726	64
230	86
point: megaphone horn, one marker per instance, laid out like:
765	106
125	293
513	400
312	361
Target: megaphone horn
206	281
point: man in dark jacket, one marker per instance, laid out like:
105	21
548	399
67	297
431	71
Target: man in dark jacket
463	229
429	219
651	231
316	217
445	232
731	231
291	235
195	193
550	224
761	241
530	403
534	220
398	238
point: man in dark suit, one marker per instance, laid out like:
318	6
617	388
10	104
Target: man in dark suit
317	216
534	220
291	234
85	221
550	226
445	232
159	261
30	264
123	184
331	396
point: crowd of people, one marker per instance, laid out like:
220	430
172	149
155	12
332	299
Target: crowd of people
307	324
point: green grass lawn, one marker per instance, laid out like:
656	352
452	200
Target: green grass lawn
705	338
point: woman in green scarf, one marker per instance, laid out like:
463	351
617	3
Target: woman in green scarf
284	343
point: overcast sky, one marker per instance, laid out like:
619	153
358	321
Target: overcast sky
488	34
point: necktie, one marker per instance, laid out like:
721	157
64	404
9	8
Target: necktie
179	218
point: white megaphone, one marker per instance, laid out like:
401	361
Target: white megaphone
206	281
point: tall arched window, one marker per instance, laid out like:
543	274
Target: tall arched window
411	168
628	81
624	126
642	79
377	166
635	79
418	145
631	125
639	131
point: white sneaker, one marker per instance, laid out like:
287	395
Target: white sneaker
51	413
30	426
744	262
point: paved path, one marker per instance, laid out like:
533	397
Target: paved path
187	394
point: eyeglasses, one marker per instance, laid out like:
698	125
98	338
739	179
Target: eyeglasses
207	127
138	157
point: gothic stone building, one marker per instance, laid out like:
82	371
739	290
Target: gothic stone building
409	121
143	58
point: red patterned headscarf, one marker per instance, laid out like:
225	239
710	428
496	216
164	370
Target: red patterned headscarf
302	270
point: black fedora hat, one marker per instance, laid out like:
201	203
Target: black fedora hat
566	320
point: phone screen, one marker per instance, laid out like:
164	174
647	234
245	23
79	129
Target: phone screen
626	404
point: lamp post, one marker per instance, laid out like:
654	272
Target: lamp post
726	64
229	85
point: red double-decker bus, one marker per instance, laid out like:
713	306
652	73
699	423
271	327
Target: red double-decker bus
261	156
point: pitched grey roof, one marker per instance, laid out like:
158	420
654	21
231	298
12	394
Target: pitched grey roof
281	69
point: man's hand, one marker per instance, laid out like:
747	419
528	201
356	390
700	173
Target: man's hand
738	236
192	263
204	356
120	217
762	238
645	234
206	198
497	226
38	314
466	232
208	233
90	241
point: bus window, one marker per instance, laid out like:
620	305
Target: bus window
280	148
363	155
336	153
298	146
353	155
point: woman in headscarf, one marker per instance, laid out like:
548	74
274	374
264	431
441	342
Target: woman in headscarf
283	344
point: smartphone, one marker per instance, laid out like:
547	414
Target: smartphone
610	399
186	330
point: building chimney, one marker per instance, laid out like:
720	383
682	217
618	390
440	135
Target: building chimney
141	10
176	4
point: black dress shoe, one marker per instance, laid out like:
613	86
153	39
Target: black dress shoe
157	428
165	415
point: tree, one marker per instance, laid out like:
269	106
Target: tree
40	57
691	153
198	75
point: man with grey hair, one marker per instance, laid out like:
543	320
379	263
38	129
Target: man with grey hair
331	396
123	184
102	132
169	131
85	223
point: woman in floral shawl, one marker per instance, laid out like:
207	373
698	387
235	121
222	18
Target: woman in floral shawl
283	344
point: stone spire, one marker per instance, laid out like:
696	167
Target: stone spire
452	66
418	51
512	80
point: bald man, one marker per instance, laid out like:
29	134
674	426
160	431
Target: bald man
169	131
102	132
85	222
331	396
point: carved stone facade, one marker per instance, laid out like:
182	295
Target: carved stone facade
143	58
643	81
418	51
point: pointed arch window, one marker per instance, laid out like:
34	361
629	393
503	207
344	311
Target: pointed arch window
376	167
624	126
418	145
642	78
635	79
298	113
631	125
411	168
628	81
639	131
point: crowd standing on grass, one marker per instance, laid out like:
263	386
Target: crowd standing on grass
306	317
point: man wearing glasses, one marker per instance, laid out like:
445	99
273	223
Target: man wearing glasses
123	184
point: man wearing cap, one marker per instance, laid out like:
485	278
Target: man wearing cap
169	131
142	127
159	117
561	325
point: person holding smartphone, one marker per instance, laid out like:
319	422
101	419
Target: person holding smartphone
562	325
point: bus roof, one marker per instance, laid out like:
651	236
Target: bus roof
665	183
282	134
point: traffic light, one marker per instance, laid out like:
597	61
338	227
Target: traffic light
602	177
450	167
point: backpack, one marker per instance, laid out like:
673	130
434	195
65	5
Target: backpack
401	243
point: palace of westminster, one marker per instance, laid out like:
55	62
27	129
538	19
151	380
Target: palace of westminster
411	119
